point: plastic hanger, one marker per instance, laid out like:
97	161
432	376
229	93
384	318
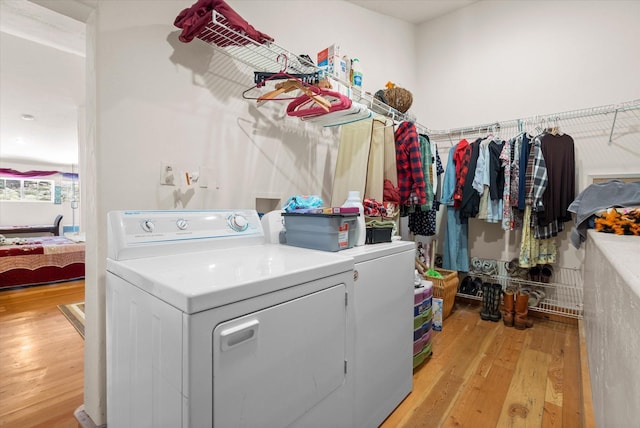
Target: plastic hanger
308	106
489	133
286	87
354	113
555	129
539	129
292	83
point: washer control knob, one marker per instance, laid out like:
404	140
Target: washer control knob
147	225
238	222
182	224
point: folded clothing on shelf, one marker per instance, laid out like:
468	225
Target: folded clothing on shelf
620	221
194	20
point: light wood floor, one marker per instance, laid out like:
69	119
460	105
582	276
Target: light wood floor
481	374
41	357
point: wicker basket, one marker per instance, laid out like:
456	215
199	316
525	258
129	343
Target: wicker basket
445	288
398	98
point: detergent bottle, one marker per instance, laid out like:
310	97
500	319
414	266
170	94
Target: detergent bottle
353	200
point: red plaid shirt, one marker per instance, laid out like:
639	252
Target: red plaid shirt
409	164
461	157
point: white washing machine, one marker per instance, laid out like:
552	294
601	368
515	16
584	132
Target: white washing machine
383	300
383	313
208	326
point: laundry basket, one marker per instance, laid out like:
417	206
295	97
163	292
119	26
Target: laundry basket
445	288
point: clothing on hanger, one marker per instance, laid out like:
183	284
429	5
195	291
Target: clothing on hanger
456	243
559	154
462	156
409	165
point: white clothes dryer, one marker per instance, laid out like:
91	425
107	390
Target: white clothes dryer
208	326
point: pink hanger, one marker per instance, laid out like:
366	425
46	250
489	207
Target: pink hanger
304	106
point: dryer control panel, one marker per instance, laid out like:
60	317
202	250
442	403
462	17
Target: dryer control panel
135	234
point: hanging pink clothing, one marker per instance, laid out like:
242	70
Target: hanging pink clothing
194	19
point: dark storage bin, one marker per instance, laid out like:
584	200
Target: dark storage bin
376	235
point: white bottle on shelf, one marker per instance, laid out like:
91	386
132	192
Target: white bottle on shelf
356	73
353	200
347	61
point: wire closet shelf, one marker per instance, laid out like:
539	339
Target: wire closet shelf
563	295
607	116
269	57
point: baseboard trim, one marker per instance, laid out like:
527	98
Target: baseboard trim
84	421
588	418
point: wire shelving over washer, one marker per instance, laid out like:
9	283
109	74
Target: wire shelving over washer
268	58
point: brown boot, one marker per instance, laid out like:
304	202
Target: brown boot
522	320
509	308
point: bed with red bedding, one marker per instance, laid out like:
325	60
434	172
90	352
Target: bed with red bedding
41	260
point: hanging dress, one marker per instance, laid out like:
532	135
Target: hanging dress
456	244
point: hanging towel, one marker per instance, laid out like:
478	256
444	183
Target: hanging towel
375	169
353	160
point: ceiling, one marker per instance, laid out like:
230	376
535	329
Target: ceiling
414	11
42	72
41	75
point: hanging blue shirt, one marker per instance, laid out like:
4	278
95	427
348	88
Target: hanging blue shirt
456	243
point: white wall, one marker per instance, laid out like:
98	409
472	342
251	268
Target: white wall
385	46
161	100
158	100
498	61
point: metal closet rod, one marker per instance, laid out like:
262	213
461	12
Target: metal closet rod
541	119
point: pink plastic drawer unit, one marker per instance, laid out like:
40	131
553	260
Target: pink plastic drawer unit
426	327
417	334
418	295
427	336
422	356
421	319
418	299
428	291
418	309
419	345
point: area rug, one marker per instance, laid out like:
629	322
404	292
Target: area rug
75	314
